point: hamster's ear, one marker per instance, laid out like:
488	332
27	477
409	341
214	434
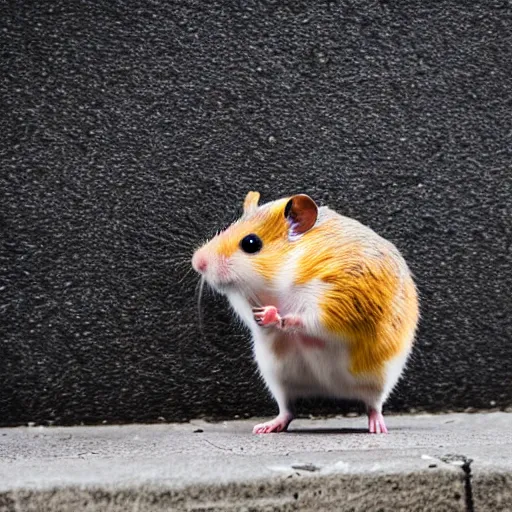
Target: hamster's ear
251	202
301	212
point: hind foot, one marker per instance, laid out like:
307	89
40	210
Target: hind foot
278	424
376	423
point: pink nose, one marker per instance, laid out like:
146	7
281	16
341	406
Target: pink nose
199	263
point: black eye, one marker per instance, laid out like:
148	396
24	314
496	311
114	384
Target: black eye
251	244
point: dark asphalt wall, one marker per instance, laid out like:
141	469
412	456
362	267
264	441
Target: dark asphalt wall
130	133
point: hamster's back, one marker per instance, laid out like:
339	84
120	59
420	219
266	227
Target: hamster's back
370	296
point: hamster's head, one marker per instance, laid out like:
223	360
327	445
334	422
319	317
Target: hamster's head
249	254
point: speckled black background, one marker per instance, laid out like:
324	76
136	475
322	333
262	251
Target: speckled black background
130	133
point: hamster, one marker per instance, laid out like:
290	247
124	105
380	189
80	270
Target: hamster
331	305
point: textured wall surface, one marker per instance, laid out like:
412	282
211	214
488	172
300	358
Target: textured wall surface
129	134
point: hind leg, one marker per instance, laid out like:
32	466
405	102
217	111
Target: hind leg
374	400
376	424
270	369
394	369
283	419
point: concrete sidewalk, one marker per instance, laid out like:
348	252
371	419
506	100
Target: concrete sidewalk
427	462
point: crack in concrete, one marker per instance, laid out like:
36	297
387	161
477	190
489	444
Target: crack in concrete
218	447
465	464
466	467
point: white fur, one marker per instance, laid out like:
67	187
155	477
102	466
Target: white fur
393	371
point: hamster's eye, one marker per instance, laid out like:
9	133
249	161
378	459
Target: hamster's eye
251	244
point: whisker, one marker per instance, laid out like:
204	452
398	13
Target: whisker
181	263
199	304
185	275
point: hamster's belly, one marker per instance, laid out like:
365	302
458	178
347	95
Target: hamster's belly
306	366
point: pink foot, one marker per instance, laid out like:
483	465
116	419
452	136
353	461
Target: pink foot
279	424
376	423
266	316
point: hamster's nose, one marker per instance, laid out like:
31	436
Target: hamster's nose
199	263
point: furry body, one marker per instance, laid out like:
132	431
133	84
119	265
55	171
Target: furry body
350	292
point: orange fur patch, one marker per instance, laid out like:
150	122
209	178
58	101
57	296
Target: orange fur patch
365	302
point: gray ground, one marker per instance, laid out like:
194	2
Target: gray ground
427	462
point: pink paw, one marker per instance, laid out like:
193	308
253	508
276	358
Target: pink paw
266	316
279	424
376	423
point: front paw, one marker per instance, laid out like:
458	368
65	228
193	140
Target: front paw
267	316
